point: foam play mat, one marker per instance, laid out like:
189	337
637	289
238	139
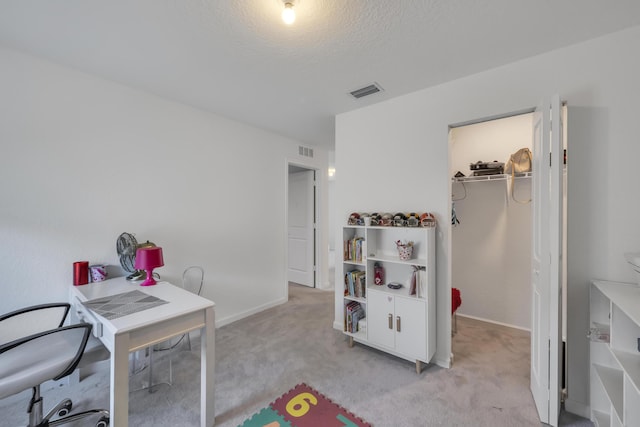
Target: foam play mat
302	406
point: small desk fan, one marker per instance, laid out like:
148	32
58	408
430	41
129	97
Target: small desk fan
127	245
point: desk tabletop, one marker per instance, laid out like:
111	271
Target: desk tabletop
179	302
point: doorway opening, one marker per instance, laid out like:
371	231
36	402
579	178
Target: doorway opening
491	233
492	240
302	213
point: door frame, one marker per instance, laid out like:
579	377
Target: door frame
316	202
450	227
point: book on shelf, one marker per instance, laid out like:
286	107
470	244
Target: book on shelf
348	310
418	285
421	283
353	314
354	249
355	282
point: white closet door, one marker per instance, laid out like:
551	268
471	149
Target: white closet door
546	246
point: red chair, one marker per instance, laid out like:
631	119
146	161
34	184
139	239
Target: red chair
456	301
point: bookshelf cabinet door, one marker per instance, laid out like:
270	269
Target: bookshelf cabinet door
381	321
410	324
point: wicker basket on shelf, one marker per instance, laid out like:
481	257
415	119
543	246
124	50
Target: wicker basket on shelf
405	250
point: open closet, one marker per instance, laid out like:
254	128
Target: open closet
491	222
506	274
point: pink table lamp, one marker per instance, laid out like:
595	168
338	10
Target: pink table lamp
147	259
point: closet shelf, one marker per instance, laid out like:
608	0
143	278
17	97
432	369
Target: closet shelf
498	177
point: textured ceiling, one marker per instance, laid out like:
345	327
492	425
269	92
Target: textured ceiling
238	59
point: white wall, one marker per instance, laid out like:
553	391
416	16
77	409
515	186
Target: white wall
491	246
599	79
83	160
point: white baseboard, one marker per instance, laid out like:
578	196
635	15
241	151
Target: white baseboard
443	363
577	408
231	319
325	286
494	322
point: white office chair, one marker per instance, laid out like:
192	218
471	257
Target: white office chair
32	352
31	320
192	281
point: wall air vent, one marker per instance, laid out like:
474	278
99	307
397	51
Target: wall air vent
305	151
365	91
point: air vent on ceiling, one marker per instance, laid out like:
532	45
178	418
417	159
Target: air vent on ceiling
305	151
365	91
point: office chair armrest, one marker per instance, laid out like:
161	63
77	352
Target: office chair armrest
31	320
62	347
62	307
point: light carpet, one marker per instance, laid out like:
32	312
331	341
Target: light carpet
260	356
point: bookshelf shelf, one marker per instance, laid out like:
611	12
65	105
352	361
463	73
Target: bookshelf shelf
396	259
398	321
353	262
614	355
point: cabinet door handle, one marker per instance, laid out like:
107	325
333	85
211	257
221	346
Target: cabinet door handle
390	321
398	324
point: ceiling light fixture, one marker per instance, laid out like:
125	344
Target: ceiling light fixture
288	14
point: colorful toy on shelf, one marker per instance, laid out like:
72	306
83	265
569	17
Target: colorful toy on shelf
353	218
399	219
413	220
427	220
376	218
387	219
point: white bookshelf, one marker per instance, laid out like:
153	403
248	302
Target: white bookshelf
615	362
396	322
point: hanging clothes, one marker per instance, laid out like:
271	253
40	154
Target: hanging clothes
454	217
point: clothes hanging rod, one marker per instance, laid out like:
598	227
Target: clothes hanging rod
497	177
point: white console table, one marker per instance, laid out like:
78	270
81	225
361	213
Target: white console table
182	313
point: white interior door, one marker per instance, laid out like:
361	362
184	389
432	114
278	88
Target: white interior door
301	227
546	251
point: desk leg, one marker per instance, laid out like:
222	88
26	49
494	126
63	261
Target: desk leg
207	366
119	392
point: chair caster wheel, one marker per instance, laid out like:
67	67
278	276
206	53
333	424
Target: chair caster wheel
103	422
65	410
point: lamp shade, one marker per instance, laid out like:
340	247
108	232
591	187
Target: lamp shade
147	259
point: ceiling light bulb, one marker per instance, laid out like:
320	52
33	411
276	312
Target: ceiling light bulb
288	14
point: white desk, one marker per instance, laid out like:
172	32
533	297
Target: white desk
184	312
